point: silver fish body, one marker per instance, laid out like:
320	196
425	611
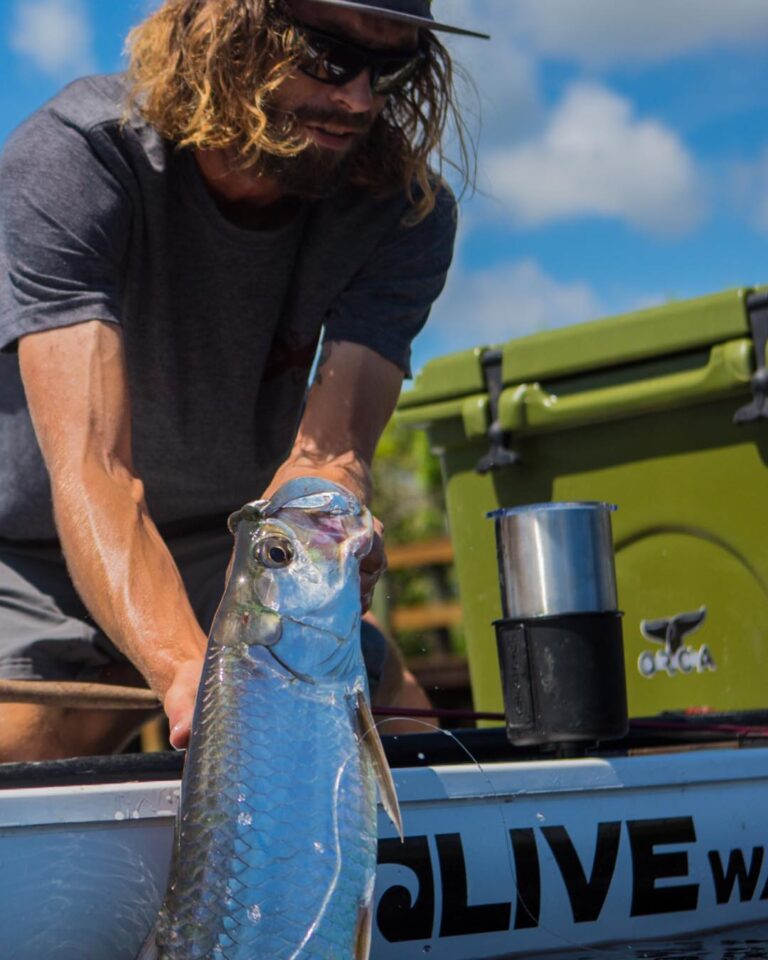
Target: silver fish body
275	850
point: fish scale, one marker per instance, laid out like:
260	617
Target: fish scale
260	831
275	850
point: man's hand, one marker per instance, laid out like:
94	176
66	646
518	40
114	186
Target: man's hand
179	702
373	565
354	394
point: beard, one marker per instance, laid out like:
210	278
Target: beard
316	172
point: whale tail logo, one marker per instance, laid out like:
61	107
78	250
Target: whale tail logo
672	631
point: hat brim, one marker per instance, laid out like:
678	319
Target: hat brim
425	22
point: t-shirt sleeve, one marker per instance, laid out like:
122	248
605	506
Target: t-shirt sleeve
64	223
388	301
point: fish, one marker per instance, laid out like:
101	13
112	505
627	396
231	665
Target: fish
275	846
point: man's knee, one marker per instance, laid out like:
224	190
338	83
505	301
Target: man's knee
392	675
29	732
398	688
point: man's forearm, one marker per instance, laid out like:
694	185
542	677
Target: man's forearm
348	406
117	559
124	572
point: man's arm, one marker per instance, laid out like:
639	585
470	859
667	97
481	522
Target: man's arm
350	403
76	386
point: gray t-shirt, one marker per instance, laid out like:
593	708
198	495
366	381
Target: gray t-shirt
101	220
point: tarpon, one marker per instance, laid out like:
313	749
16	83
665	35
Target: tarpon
275	847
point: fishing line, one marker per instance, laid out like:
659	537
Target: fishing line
337	872
513	872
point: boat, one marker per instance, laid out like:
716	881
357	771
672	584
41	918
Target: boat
516	848
508	851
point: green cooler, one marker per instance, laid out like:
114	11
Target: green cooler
661	412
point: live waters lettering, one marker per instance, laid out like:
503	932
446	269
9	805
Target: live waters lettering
659	878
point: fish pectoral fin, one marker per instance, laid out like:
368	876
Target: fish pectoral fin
149	949
371	740
364	932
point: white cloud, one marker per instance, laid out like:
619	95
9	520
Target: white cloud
506	81
504	73
595	158
55	35
510	300
518	298
600	32
748	183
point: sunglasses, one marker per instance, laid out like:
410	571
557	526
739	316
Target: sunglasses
331	59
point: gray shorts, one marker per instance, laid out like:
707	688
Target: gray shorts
46	633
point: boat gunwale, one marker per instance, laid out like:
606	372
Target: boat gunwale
132	802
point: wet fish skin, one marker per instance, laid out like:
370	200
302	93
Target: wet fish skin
276	842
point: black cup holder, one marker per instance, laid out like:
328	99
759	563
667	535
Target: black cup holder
563	678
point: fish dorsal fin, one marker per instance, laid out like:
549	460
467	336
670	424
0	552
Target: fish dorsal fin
372	743
363	936
149	949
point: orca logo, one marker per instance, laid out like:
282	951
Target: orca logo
677	656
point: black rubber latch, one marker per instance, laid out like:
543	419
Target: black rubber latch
757	408
500	454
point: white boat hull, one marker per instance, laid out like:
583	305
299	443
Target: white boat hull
515	858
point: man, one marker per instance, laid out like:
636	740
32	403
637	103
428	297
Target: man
172	242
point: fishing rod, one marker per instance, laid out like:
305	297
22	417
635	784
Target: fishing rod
102	696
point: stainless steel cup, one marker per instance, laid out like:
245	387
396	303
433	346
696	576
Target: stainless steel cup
556	558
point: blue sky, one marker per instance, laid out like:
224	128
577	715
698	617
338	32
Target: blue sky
623	149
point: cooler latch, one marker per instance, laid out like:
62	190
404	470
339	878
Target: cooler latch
757	307
500	455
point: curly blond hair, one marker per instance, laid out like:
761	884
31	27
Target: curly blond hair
202	73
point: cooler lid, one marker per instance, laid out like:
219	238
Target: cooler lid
678	327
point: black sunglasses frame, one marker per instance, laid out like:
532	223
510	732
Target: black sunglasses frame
353	59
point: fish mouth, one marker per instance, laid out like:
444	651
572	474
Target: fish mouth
313	494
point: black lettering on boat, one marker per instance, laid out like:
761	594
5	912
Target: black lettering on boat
400	918
735	873
527	878
649	866
459	918
586	896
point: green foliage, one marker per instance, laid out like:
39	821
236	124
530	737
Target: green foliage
409	499
408	489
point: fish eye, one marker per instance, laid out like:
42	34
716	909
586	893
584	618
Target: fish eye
273	552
